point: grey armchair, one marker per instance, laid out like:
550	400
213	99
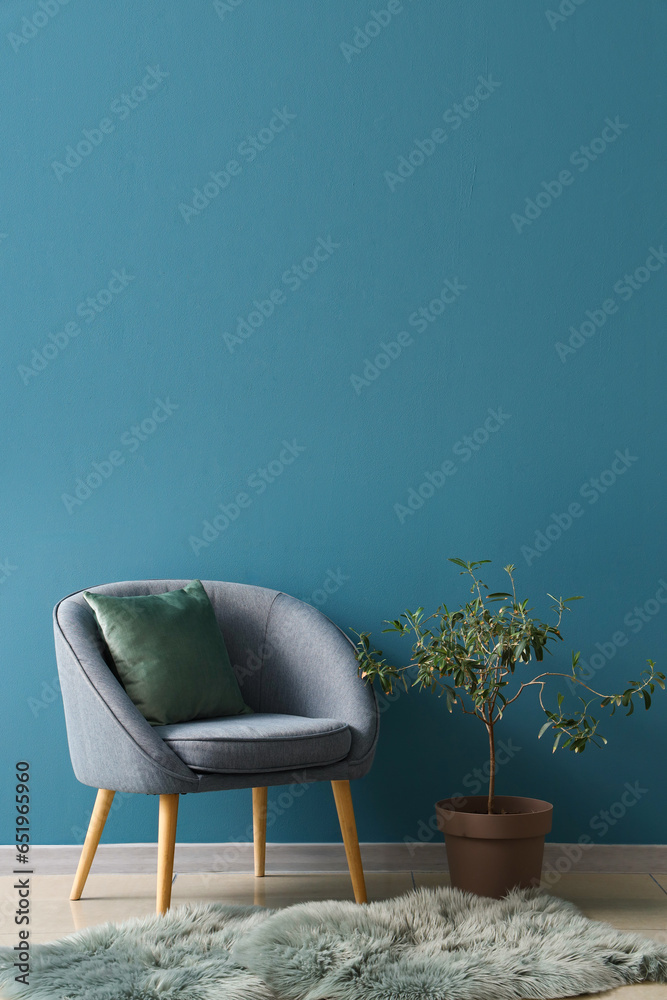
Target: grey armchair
296	670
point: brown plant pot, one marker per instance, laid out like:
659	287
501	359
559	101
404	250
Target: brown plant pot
489	855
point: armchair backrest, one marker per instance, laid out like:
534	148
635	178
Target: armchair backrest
242	612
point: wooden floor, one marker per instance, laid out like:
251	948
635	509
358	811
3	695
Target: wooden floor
629	902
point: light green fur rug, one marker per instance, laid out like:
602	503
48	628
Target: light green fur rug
427	945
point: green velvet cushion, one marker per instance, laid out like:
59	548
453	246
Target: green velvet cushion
170	654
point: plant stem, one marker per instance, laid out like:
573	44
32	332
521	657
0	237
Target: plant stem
492	761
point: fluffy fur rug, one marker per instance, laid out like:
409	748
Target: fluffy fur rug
427	945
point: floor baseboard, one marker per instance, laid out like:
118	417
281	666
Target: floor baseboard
305	858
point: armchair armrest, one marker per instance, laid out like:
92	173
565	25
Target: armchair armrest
310	669
111	743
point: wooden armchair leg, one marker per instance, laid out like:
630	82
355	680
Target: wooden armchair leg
259	799
95	828
348	827
166	844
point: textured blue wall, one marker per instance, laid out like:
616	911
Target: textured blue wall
221	213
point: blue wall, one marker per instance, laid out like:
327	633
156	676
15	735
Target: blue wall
364	190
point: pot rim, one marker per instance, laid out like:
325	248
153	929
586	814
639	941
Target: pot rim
539	805
533	821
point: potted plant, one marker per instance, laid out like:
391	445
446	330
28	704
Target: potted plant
475	657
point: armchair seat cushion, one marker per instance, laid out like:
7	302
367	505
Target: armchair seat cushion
257	743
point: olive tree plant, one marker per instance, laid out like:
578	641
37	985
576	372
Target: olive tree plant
475	657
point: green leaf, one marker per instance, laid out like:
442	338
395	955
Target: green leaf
556	742
547	725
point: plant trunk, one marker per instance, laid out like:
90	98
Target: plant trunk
492	772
